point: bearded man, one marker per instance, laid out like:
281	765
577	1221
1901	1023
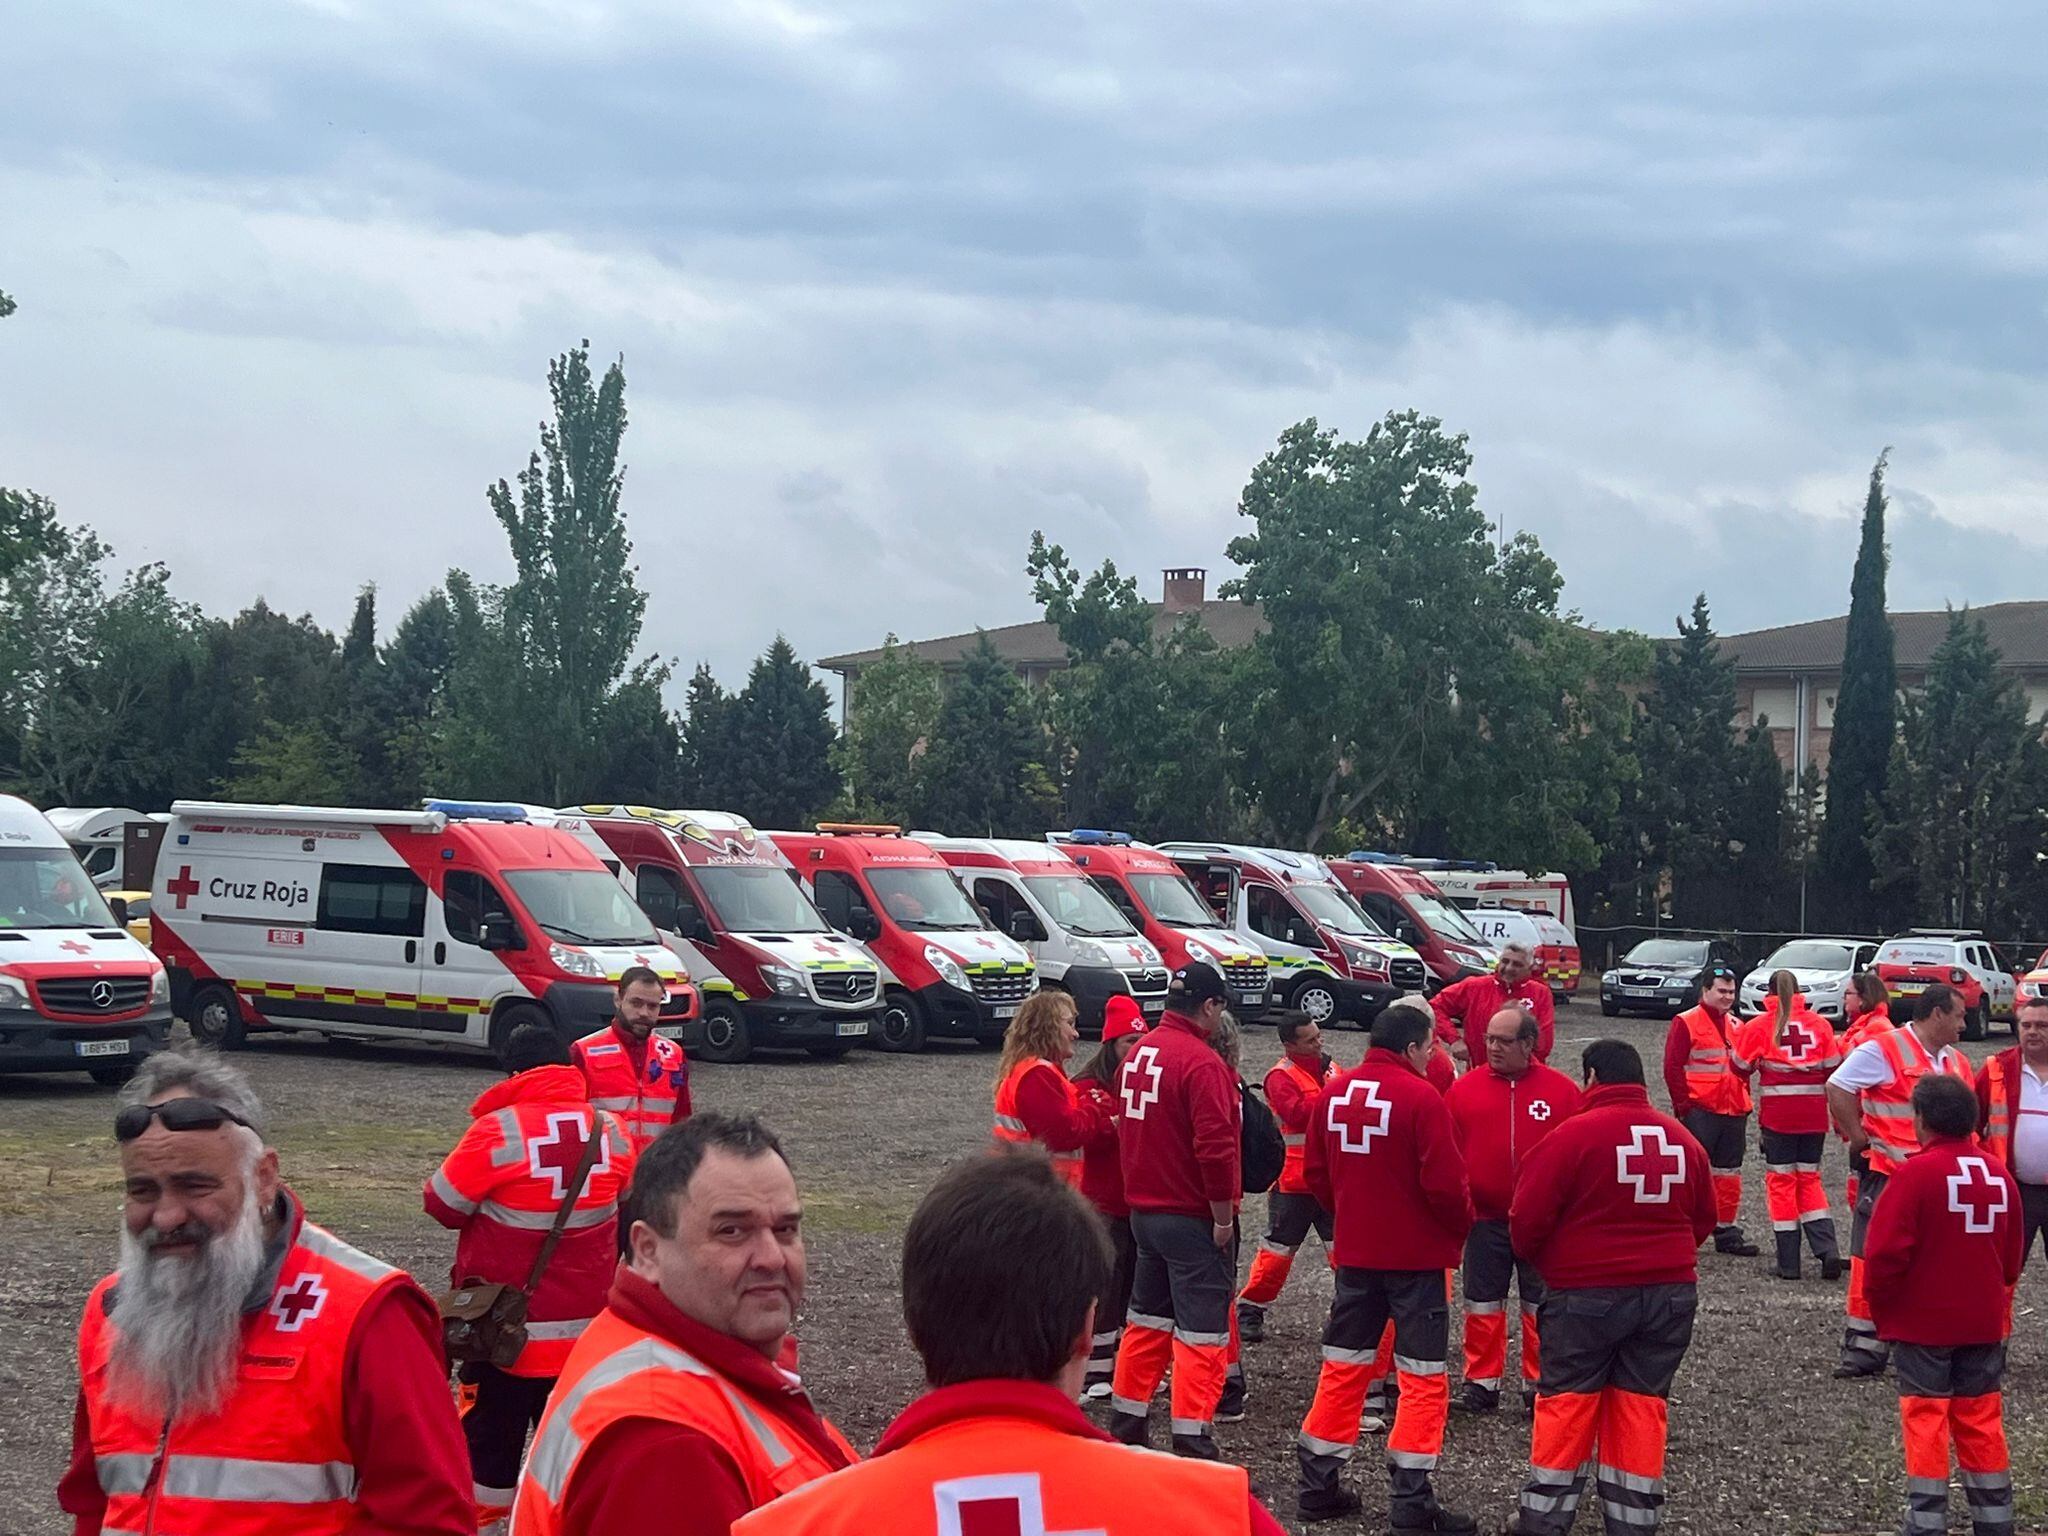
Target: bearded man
244	1370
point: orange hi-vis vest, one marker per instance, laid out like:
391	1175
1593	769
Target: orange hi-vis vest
621	1371
1710	1075
1010	1129
2004	1089
275	1459
1011	1474
1888	1108
644	1098
1294	1166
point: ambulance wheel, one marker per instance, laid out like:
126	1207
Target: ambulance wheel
1609	1010
1318	999
512	1016
1973	1023
725	1033
216	1019
901	1026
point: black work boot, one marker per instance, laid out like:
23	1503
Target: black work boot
1251	1323
1130	1428
1196	1447
1787	1244
1478	1399
1442	1522
1313	1504
1230	1407
1730	1240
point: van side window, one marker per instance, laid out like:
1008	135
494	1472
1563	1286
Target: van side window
366	898
836	896
467	898
660	894
1269	912
997	901
1383	910
1119	898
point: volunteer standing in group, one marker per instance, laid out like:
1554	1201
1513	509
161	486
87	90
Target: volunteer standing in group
1791	1050
1102	1181
1501	1112
1182	1175
1292	1088
1463	1007
1711	1098
640	1076
1867	1005
2012	1093
1034	1100
1870	1098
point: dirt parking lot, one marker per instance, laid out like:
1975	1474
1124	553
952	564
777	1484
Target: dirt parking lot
1763	1441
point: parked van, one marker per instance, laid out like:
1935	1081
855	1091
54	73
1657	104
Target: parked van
1467	885
77	992
1551	944
769	968
117	846
1078	939
945	971
1407	904
454	924
1149	889
1327	957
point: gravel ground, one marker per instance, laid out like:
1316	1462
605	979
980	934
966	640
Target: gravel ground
1762	1440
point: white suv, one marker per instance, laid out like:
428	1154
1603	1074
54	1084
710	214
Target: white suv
1962	958
1823	968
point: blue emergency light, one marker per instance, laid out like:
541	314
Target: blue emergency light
1100	838
1366	856
477	810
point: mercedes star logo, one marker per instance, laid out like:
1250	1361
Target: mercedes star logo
103	994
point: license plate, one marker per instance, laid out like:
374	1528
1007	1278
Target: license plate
1005	1010
1638	991
1152	1010
853	1026
1910	988
103	1047
1246	999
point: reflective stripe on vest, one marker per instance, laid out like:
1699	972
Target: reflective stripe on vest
1009	1128
1710	1076
1293	1178
646	1105
1888	1108
1998	1124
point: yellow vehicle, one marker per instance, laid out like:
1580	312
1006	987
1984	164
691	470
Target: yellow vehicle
132	908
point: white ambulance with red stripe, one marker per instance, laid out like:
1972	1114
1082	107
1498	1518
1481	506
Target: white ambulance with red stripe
453	924
77	992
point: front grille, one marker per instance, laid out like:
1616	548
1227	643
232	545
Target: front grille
1245	978
1408	975
1643	981
1146	983
1001	987
93	994
844	986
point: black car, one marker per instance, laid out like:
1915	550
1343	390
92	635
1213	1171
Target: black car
1662	976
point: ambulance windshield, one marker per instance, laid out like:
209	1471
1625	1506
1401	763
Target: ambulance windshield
924	900
1172	901
45	888
757	899
1078	907
581	906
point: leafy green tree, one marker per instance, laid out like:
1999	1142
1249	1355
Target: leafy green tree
640	743
416	664
706	766
261	669
303	763
985	774
6	306
1865	731
1382	589
480	749
781	747
889	721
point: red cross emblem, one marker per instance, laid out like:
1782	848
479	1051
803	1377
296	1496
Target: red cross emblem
1359	1113
555	1155
1975	1195
1144	1062
1651	1164
76	948
298	1303
184	887
1539	1109
1001	1504
1799	1042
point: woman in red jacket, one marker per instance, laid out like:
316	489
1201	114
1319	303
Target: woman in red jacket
1790	1050
1102	1181
1867	1004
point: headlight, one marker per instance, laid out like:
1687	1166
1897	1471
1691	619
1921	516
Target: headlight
787	983
575	961
947	967
1367	959
1608	978
12	993
1202	954
160	987
1088	952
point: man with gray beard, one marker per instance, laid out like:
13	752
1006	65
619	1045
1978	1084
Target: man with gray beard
245	1372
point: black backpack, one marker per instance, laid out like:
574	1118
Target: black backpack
1262	1150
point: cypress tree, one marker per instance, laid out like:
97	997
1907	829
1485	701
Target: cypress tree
781	743
1866	721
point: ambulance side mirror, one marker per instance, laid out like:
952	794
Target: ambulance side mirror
1024	928
862	925
118	905
498	932
691	925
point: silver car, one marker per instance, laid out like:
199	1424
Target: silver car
1823	968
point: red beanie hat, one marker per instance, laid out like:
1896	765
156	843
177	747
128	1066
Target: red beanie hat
1120	1017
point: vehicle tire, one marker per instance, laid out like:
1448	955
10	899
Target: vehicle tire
726	1039
216	1018
1609	1009
832	1052
114	1075
1973	1023
1560	999
509	1018
900	1029
1317	998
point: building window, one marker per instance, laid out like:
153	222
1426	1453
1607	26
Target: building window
1779	705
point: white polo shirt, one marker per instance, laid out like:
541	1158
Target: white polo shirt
1866	1066
2030	1131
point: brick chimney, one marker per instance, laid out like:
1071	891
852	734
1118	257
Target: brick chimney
1187	587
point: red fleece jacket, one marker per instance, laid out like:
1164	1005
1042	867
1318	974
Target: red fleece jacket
1383	1157
1943	1250
1179	1130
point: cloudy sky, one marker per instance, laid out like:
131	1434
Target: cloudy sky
898	282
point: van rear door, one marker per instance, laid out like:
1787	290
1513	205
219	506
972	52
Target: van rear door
459	978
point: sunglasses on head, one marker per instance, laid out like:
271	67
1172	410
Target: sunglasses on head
176	1115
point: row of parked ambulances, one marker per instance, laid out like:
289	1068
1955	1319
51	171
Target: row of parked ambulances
460	921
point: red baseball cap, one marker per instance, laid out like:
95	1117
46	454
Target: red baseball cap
1120	1017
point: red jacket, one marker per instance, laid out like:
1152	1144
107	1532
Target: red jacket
1442	1070
1179	1128
1678	1049
1792	1076
1464	1008
1620	1194
1382	1157
1499	1121
1102	1164
1943	1250
1061	1122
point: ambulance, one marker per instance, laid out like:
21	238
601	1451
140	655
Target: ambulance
77	992
945	971
1149	889
1327	958
454	924
1406	903
769	968
1080	942
1470	885
1552	946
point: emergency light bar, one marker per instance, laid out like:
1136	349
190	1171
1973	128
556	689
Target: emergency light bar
477	810
858	829
1100	838
309	815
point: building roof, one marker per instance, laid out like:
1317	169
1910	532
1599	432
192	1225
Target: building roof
1230	624
2018	630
